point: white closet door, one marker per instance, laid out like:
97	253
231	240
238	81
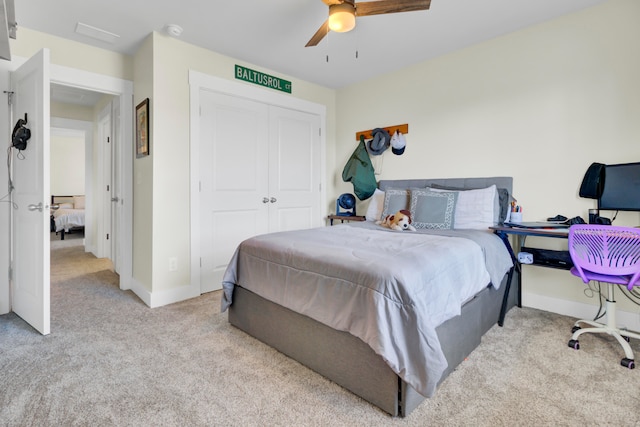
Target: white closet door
234	179
294	169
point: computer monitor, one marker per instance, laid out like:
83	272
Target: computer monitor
621	188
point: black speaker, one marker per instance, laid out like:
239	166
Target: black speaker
593	181
20	135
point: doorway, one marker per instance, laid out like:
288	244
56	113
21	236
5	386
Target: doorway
88	84
64	76
91	175
69	177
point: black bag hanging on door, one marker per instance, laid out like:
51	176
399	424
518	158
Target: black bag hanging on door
593	181
20	135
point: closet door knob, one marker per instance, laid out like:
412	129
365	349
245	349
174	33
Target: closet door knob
273	200
265	200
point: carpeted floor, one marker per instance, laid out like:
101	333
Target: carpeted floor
72	238
111	360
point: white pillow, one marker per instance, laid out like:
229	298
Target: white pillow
65	206
475	209
376	203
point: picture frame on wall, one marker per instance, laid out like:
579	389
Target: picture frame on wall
142	129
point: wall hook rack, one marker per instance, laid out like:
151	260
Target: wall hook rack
403	129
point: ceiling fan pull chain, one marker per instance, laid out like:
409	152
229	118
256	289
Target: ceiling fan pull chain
357	34
326	46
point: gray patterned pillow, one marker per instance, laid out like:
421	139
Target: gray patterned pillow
395	199
431	209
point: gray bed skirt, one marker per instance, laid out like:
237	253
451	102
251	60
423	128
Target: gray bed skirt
348	361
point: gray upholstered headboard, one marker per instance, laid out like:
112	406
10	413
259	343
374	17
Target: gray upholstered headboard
467	183
505	182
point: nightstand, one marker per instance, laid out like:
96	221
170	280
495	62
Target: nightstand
344	218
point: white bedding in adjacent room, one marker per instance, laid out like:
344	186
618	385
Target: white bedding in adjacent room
65	219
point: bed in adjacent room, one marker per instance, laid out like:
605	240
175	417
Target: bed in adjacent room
67	214
386	314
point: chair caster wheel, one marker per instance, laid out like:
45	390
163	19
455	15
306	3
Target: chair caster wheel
628	363
575	328
574	344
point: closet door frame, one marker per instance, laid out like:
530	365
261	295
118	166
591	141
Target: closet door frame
199	81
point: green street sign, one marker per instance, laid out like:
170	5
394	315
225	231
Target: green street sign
262	79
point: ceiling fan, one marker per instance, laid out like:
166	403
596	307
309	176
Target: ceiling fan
342	13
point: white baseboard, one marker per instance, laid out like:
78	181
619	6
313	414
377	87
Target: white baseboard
625	319
136	287
160	298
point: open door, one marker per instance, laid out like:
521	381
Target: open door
30	178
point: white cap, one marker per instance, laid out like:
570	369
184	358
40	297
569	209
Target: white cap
398	143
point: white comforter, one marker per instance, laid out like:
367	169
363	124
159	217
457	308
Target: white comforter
390	289
66	219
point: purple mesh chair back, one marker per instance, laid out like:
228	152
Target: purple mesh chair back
605	253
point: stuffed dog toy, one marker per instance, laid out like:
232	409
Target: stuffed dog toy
399	221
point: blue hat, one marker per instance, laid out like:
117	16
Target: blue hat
379	143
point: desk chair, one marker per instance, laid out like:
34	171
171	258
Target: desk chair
612	255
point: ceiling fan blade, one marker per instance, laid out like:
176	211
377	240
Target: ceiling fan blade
390	6
319	35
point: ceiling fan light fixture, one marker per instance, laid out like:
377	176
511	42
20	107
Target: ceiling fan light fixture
342	17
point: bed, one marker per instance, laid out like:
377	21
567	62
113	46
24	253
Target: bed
348	302
67	214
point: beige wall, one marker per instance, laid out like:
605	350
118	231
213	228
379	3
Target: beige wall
170	112
540	105
67	164
69	111
73	54
159	71
143	242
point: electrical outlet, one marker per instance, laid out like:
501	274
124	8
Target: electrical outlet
173	264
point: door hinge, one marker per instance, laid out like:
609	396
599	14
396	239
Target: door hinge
9	96
107	187
107	236
108	140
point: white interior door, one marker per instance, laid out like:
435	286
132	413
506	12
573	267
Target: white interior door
104	138
30	176
294	169
234	197
116	188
